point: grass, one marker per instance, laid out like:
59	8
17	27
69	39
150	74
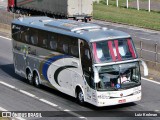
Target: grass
142	18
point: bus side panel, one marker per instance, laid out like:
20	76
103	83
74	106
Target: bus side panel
74	74
19	59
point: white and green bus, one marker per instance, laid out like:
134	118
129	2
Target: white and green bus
89	62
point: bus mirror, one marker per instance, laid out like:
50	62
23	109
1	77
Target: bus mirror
145	68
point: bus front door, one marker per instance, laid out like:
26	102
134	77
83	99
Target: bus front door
86	63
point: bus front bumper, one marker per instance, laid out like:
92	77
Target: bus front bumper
116	101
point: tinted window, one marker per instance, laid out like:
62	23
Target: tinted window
43	39
65	48
34	40
53	42
16	32
73	47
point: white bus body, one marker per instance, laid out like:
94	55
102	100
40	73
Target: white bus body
83	60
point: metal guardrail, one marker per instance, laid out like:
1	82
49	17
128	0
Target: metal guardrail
149	51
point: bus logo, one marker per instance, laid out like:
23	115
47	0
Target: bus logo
121	94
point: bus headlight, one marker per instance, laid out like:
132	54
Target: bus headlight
136	92
137	89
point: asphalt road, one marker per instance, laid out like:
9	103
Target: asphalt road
17	95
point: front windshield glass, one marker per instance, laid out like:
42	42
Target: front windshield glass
113	50
120	76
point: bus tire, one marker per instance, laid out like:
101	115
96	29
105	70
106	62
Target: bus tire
86	20
36	80
29	77
80	97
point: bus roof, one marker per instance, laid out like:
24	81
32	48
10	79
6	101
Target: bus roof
88	31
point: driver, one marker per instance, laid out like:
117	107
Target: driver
124	77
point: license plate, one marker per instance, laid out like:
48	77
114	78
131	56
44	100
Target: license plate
122	101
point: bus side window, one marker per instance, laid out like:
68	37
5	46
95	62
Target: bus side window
75	51
33	36
65	48
16	32
63	44
45	43
27	38
34	40
43	38
53	43
60	42
73	47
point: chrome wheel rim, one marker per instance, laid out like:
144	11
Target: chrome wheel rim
30	77
81	96
37	80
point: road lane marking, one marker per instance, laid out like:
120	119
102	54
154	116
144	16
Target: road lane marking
145	38
66	110
2	109
43	100
27	93
8	85
150	80
50	103
20	118
83	118
5	38
157	110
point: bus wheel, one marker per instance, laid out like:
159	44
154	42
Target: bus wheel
80	97
36	80
29	77
86	20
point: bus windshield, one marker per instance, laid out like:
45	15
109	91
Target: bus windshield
113	50
120	76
